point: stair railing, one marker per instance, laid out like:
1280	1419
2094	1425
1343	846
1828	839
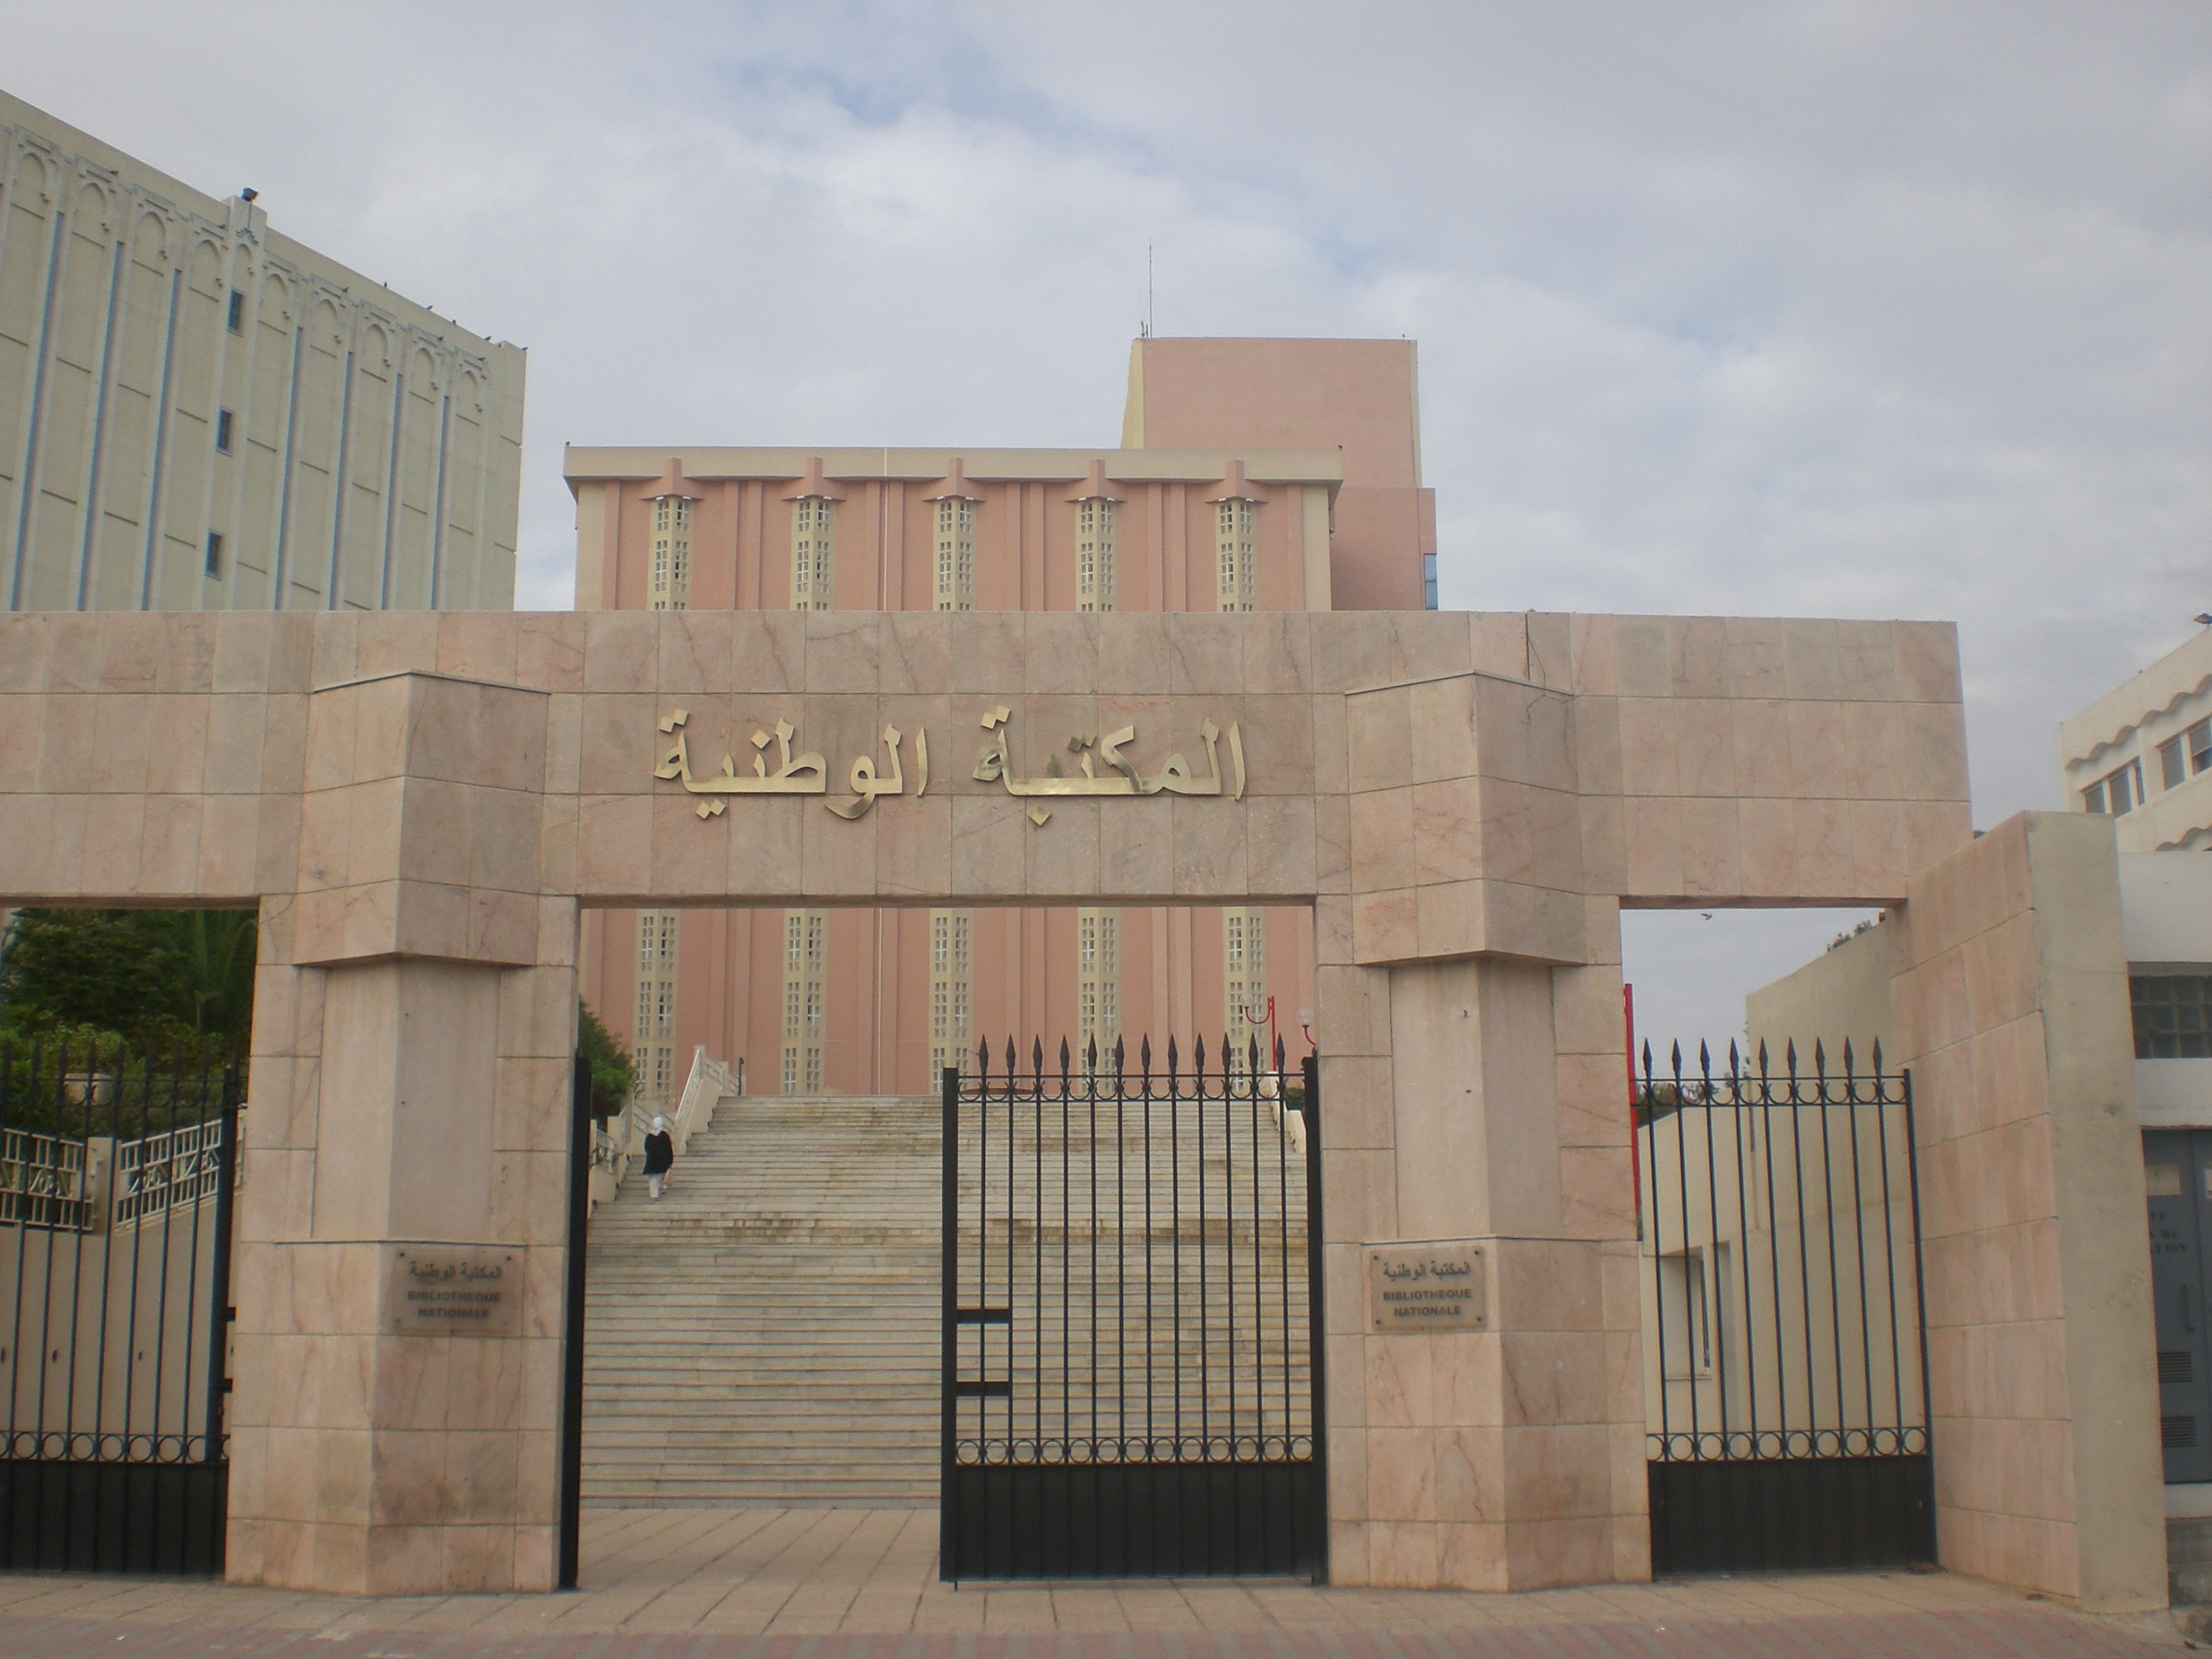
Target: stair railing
708	1085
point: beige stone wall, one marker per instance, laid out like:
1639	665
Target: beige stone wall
420	804
1843	994
2012	1004
375	455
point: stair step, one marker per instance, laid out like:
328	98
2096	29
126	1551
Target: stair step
768	1332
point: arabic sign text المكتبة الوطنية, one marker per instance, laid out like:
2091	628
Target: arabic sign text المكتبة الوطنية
808	773
1434	1287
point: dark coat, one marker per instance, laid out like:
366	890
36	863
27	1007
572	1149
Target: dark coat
659	1153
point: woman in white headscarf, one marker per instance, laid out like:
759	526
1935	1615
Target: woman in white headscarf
659	1156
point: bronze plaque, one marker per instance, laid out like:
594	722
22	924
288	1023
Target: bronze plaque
453	1289
1434	1287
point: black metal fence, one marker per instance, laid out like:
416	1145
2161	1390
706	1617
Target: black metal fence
1784	1317
1131	1291
116	1181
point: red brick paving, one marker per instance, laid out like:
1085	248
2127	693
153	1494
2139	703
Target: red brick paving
2025	1633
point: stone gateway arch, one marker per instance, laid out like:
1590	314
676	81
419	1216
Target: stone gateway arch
421	806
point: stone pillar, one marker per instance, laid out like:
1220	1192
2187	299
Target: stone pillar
414	1014
1453	1109
1473	1090
2011	1001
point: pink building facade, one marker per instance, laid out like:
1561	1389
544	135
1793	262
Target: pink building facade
1255	475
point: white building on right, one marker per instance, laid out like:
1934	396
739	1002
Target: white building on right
2143	753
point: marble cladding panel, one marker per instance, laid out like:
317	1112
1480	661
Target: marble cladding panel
2010	1022
1699	759
1354	650
1849	729
1502	1460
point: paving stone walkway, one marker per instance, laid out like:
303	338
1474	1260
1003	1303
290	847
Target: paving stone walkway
861	1585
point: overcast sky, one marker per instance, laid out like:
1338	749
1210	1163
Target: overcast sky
1852	309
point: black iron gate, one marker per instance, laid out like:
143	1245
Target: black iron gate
1784	1317
115	1181
1131	1291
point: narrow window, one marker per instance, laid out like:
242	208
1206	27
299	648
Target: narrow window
2092	798
1244	976
215	553
1098	983
237	324
2198	739
2171	766
1685	1333
805	991
1429	581
951	984
2123	789
655	1038
671	583
811	573
222	419
1234	526
956	553
1094	555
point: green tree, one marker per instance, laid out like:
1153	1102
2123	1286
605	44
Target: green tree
204	975
613	1073
159	977
78	968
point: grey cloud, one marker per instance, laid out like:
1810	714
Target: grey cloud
1869	309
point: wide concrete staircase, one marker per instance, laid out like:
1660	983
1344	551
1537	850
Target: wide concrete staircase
768	1332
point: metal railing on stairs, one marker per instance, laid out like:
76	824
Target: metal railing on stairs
619	1141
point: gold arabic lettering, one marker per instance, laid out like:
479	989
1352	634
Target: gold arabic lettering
807	773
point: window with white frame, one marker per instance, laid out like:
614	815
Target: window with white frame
951	984
956	553
1097	983
1234	542
805	947
813	520
654	1042
2187	756
1244	976
1692	1287
1094	555
671	576
2118	792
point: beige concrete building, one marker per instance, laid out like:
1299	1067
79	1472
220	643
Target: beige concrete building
198	413
2143	753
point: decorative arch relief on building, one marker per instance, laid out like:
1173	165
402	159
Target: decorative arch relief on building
807	773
